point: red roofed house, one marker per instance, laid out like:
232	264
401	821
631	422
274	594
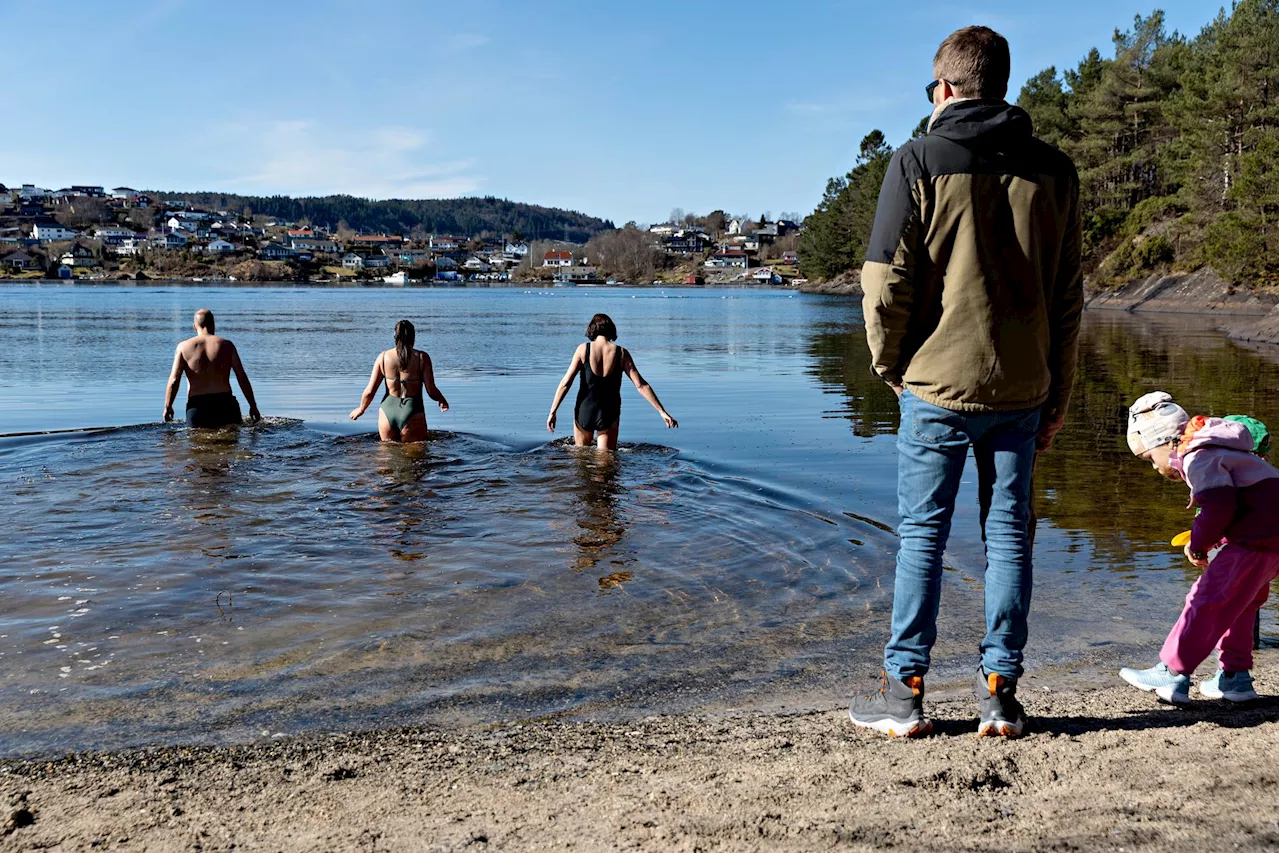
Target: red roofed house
557	258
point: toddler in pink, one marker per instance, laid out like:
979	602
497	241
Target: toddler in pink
1238	494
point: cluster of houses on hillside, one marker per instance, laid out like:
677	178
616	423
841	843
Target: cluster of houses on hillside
90	231
736	249
36	238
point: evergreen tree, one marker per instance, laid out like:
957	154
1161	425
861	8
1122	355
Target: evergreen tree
1045	101
1175	142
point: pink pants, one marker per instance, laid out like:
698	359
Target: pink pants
1219	611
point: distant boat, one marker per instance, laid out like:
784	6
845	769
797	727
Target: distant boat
397	279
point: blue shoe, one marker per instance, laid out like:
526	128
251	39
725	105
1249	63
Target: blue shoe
1168	685
1232	686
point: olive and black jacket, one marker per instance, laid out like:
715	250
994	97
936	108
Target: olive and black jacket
972	284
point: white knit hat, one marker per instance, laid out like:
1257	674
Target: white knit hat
1154	419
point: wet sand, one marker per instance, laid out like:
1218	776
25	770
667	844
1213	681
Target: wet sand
1103	769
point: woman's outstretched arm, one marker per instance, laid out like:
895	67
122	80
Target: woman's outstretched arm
565	384
429	384
645	389
375	379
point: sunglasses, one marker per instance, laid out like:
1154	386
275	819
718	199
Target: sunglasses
928	90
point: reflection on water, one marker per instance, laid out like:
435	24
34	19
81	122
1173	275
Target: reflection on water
226	575
598	515
161	584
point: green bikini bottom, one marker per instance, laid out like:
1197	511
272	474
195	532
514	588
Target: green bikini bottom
399	409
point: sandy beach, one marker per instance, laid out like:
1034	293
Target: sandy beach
1103	769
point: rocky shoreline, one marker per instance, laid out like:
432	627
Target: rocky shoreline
1242	314
845	284
1103	768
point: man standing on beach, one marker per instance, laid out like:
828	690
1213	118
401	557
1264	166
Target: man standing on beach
208	361
972	298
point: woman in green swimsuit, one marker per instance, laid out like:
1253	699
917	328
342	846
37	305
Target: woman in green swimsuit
407	372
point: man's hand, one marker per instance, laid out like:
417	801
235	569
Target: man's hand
168	414
551	422
443	404
254	415
1051	422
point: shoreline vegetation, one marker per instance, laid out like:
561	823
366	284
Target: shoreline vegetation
1174	138
1100	768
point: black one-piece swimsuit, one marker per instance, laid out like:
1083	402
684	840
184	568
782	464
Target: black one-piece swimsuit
599	402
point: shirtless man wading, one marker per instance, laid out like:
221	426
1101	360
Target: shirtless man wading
208	360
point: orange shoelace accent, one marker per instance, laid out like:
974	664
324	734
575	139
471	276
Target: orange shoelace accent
884	685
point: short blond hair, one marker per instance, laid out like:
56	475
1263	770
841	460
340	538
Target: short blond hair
204	319
975	61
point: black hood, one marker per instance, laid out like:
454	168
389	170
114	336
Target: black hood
986	122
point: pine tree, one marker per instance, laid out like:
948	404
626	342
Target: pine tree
1045	101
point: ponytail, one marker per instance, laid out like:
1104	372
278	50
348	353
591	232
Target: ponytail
404	343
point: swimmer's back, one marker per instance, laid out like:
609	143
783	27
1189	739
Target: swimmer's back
207	363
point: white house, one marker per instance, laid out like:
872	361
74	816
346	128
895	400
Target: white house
48	232
113	234
30	192
443	243
474	264
727	258
79	256
516	250
352	261
578	273
220	247
167	241
735	226
313	244
130	246
557	258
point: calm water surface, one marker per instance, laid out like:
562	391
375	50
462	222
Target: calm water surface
161	585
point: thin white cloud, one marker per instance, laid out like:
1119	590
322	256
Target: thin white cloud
303	157
809	108
460	42
841	107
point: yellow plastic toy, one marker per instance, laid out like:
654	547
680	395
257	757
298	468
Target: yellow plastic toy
1181	539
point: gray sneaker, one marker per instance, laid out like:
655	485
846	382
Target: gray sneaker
1169	686
896	709
999	712
1232	686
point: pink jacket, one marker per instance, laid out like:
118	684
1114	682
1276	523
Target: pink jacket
1238	492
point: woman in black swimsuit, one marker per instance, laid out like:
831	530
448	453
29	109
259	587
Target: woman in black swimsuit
408	374
601	364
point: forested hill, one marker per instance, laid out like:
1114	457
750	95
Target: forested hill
1175	139
460	216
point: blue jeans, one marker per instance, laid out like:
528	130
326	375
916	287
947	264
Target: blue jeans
933	444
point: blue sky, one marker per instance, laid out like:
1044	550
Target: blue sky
620	110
